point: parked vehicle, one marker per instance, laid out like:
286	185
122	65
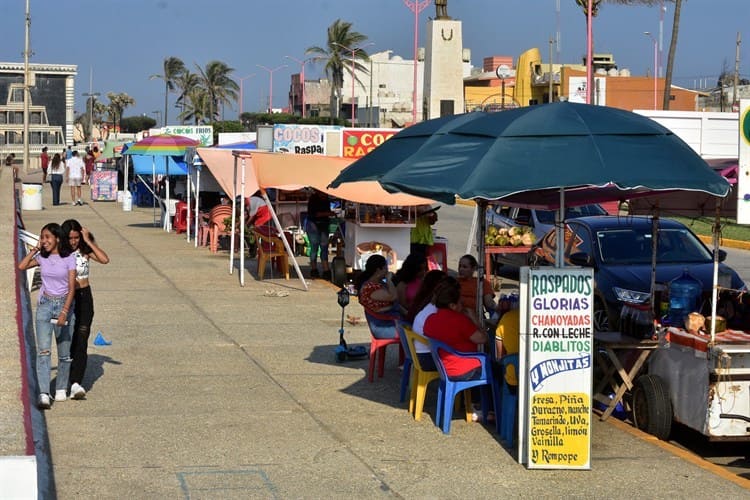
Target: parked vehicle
620	248
538	221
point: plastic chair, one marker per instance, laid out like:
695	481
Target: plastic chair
450	388
509	402
270	248
508	330
181	217
408	363
216	226
420	378
377	346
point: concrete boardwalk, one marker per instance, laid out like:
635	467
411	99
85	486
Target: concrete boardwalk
210	390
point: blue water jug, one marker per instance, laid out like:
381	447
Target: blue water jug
684	294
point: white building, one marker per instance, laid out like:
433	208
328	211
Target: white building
383	96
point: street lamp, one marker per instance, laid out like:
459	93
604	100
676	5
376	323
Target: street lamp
353	51
656	63
270	84
242	94
301	77
503	72
92	99
415	6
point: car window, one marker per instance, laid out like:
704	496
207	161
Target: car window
524	216
680	245
630	246
548	216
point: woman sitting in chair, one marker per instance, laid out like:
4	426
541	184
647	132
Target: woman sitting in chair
451	326
377	294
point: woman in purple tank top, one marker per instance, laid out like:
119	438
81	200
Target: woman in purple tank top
57	264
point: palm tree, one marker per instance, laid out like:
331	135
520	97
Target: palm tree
117	104
186	82
218	85
671	55
335	53
173	66
195	106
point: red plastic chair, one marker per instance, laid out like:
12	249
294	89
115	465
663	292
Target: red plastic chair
181	217
377	346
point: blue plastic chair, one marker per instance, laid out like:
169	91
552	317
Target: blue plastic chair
448	388
407	368
509	402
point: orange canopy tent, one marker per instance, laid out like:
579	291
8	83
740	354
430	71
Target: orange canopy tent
243	172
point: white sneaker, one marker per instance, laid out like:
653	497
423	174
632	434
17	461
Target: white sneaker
77	392
60	395
44	402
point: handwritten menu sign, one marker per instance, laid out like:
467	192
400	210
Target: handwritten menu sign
559	352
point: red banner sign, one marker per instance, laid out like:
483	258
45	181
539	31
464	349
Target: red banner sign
359	142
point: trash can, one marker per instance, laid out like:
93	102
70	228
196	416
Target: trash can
127	202
31	196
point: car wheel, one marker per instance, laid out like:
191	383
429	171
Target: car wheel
601	317
652	409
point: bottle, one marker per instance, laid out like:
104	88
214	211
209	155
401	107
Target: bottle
684	293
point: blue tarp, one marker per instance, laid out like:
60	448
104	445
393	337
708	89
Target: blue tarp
144	165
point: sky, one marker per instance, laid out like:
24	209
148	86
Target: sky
118	44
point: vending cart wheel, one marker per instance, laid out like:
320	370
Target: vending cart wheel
652	408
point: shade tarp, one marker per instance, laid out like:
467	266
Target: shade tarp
290	172
147	165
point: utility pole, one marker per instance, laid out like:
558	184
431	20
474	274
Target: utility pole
551	84
26	89
735	100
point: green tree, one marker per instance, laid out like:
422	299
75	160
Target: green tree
173	67
186	82
133	124
335	54
220	88
117	104
196	106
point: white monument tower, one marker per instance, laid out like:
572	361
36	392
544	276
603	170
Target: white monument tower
443	73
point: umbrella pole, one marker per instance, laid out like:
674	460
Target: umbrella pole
242	225
197	198
189	188
481	271
153	183
715	289
654	247
472	231
168	220
560	232
234	219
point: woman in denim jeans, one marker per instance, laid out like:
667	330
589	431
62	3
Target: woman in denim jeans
57	263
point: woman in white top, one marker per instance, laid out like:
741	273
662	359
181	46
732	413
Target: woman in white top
85	250
421	308
56	171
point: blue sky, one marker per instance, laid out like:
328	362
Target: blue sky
125	41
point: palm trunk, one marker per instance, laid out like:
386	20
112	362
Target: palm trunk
166	100
671	55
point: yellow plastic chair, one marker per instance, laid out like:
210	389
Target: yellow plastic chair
419	377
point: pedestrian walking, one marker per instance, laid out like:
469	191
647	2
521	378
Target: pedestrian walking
9	163
76	169
85	250
57	263
56	172
44	158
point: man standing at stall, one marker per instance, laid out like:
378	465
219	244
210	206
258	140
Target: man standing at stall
318	219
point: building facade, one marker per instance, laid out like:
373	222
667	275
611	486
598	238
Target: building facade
51	115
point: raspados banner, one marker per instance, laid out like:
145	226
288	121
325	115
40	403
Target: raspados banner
358	142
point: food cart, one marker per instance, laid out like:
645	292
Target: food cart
377	229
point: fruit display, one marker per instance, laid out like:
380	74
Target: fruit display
514	236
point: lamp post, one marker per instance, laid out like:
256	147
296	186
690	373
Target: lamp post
656	64
242	94
502	72
92	99
415	6
353	51
270	83
301	78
